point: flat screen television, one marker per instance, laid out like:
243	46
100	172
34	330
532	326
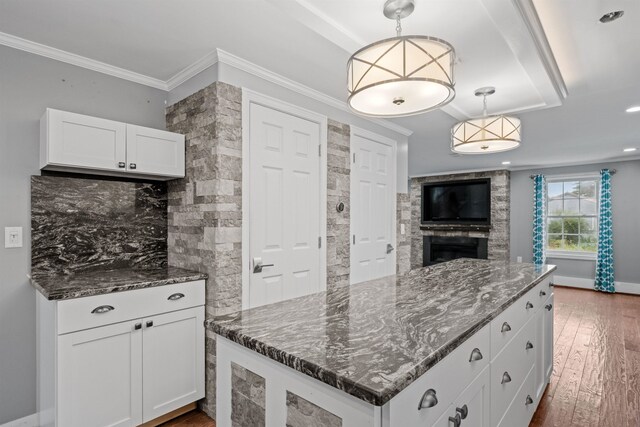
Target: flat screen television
457	202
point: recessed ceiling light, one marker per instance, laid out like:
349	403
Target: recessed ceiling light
633	109
611	16
506	163
630	149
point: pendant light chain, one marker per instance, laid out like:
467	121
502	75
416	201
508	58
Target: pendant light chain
398	24
484	103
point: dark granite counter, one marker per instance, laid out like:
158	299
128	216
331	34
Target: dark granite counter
96	282
373	339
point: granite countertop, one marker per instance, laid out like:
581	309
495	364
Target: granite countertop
373	339
99	281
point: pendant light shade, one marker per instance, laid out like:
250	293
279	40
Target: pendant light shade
489	134
403	75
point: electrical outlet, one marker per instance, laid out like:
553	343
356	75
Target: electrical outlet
13	237
519	259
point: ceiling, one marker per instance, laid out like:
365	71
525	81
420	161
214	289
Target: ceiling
497	42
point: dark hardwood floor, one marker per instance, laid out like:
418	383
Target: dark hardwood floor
596	373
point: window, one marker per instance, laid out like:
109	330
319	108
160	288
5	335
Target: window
572	217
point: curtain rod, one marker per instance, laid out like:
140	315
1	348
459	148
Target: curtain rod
611	171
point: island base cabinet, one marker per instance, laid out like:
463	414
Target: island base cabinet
472	407
101	370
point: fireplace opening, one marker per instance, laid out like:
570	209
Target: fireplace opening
437	249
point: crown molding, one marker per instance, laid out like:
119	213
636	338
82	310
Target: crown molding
80	61
261	72
209	60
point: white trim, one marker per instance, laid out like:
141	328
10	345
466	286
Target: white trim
582	283
394	177
28	421
573	176
80	61
249	97
209	60
582	256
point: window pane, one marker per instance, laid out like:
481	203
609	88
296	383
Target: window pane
588	206
555	207
588	226
554	190
555	241
554	226
588	189
588	242
571	189
571	225
571	242
571	206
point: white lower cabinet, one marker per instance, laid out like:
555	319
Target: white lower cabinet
471	407
123	370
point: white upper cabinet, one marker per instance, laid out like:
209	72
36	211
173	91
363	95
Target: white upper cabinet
75	142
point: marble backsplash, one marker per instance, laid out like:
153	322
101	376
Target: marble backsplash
80	224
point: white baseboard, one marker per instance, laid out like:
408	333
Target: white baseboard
578	282
28	421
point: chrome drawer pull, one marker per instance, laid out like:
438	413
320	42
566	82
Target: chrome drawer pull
542	293
505	327
506	378
528	401
475	355
132	166
429	399
455	420
548	307
121	165
464	411
528	346
528	305
176	296
102	309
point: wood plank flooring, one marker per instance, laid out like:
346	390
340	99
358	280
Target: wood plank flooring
596	370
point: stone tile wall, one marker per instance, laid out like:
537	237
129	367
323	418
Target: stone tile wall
403	242
338	190
247	398
302	413
498	235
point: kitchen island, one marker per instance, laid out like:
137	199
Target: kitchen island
467	341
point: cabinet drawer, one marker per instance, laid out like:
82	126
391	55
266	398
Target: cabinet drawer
90	312
521	409
446	380
510	368
508	323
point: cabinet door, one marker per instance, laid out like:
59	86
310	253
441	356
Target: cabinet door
473	403
100	377
548	309
540	372
154	152
83	141
173	361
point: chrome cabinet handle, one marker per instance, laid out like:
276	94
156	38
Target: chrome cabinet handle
528	401
176	296
132	166
464	411
528	346
542	293
149	323
506	378
528	305
137	326
102	309
505	327
455	420
548	307
475	355
122	165
429	399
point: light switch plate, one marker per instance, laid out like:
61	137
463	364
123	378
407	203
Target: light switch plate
519	259
401	228
13	237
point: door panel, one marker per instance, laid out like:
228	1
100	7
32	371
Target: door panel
155	152
102	371
373	209
173	361
284	211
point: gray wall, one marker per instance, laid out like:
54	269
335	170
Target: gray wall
29	84
626	220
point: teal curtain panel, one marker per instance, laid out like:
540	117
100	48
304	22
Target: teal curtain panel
539	214
604	265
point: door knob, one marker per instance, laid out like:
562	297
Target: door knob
258	265
390	248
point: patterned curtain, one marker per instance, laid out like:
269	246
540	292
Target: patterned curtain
604	265
539	214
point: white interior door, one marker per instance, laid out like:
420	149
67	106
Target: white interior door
373	207
284	210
